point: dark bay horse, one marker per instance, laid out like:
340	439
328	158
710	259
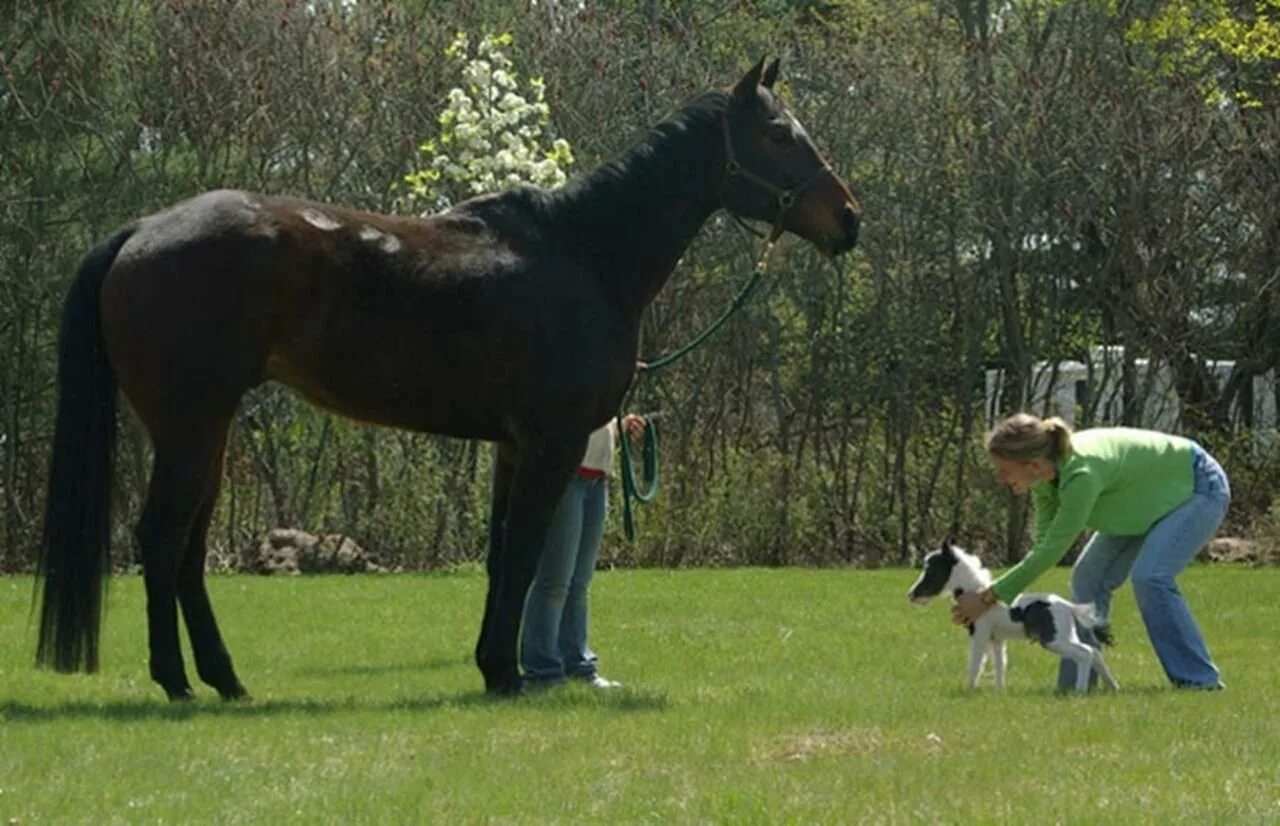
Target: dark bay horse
512	318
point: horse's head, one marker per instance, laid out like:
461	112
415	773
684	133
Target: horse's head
774	172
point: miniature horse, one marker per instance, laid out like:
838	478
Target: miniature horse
1044	618
512	318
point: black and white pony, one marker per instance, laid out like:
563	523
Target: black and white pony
1044	618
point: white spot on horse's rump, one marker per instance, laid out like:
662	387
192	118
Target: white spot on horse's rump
318	219
386	243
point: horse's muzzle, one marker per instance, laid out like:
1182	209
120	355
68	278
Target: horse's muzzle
849	223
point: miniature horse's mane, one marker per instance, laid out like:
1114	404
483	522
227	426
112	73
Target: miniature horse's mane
973	563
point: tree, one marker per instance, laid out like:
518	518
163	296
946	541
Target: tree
491	137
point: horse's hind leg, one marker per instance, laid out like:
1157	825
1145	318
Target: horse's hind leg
186	459
213	663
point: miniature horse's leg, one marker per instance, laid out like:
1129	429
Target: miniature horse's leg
213	663
1079	653
187	457
977	658
1100	666
1088	658
537	484
999	657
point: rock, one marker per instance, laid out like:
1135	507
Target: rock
335	553
291	551
1235	549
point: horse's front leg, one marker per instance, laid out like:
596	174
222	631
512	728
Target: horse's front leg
537	481
504	467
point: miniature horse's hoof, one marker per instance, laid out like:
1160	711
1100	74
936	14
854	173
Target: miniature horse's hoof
181	695
236	693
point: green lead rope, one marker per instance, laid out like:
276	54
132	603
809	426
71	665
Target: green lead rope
734	306
630	489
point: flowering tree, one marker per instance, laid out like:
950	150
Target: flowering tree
491	137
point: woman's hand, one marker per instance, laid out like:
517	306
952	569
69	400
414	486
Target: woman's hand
968	607
634	425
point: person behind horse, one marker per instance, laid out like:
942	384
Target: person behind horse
553	644
1153	499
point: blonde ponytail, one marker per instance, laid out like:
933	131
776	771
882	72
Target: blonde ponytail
1023	437
1059	433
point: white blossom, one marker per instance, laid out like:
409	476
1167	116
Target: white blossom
488	113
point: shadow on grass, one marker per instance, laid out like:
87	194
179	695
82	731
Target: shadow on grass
1052	692
374	669
127	711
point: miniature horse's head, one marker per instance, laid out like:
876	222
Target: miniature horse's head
948	569
774	172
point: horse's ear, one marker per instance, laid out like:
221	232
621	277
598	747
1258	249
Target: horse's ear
746	88
949	542
770	74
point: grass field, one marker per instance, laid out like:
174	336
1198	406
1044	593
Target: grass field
753	696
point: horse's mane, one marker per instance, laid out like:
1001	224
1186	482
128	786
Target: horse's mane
662	154
634	182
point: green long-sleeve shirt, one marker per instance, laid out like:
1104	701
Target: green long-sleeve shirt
1117	481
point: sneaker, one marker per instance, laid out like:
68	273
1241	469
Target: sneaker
538	686
596	681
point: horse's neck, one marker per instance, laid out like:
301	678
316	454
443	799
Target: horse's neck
633	218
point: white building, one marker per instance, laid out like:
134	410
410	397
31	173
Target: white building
1071	388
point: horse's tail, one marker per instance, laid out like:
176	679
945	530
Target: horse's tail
74	548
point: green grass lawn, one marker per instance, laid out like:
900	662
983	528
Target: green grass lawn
753	696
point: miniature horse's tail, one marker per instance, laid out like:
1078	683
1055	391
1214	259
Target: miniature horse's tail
74	552
1087	615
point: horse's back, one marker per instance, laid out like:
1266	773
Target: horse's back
431	324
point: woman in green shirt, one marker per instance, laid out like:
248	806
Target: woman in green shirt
1153	500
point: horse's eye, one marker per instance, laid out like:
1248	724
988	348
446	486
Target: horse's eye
779	134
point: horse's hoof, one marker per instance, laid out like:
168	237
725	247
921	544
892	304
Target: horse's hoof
509	687
181	695
236	693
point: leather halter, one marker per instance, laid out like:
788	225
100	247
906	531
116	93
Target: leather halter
786	197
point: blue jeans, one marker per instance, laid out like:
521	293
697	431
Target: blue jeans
553	638
1154	561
